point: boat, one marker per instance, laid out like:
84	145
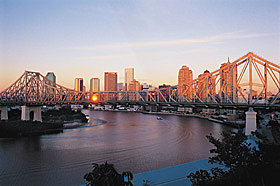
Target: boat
159	118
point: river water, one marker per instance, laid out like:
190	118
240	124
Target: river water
133	142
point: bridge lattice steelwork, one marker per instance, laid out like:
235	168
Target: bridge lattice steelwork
223	87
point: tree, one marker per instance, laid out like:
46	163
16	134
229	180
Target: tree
242	163
106	175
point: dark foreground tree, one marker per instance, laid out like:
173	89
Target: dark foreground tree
241	162
106	175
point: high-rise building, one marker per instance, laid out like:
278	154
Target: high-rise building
50	76
185	77
110	81
228	83
129	76
206	86
94	85
134	86
79	84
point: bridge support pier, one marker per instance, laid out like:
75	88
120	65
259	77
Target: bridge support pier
27	111
251	124
4	112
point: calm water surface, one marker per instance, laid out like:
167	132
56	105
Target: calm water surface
131	141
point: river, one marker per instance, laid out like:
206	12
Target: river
132	141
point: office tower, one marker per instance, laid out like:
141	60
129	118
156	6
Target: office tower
206	86
110	81
134	86
185	77
50	76
129	76
120	87
84	89
228	83
94	85
79	84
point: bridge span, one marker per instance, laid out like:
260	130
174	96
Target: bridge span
229	87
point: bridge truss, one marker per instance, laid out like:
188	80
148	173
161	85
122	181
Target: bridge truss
231	85
234	85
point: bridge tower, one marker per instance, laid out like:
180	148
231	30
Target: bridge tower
27	111
4	112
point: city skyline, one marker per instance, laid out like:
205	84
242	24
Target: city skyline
157	38
184	75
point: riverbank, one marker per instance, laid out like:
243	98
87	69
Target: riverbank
54	121
234	124
28	128
238	125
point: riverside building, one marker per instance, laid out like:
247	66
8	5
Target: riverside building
129	76
185	77
228	90
79	84
94	85
50	76
110	81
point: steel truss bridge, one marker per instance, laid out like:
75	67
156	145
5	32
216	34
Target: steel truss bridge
231	86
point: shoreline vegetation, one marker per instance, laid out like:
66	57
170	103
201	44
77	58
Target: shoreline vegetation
244	160
54	121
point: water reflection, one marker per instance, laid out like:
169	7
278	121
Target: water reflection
132	141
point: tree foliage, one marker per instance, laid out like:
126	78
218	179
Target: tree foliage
106	175
241	163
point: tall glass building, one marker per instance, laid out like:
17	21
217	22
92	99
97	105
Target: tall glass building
94	85
50	76
79	84
129	76
110	81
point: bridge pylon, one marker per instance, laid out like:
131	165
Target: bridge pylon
251	121
4	112
33	113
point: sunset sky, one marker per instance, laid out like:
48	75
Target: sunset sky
85	38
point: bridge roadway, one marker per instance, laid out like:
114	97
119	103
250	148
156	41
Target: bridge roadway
234	106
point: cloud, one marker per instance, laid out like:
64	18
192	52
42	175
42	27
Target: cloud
118	51
168	43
